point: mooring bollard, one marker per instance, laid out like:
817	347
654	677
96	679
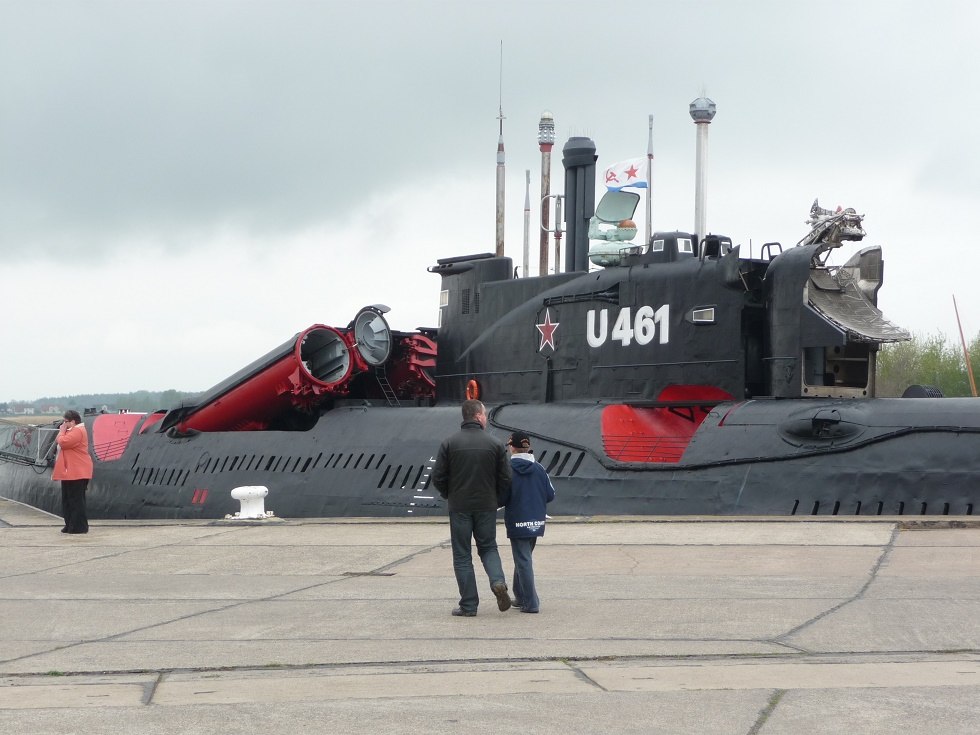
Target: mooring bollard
252	498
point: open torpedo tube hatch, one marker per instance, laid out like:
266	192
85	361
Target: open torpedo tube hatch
286	388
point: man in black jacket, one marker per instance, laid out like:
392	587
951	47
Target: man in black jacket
473	472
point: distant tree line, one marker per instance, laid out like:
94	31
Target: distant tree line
141	401
927	360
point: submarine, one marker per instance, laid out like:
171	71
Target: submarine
670	377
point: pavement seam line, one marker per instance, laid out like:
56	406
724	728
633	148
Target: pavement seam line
580	674
571	662
872	576
269	598
150	688
766	712
409	557
223	608
112	555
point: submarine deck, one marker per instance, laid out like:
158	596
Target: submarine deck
731	625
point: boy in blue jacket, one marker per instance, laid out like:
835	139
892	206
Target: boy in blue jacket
530	491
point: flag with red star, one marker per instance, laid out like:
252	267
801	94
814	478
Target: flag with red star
631	172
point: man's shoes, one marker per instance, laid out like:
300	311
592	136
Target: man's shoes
503	599
461	613
528	610
516	604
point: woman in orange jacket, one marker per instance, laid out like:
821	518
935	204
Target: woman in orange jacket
73	467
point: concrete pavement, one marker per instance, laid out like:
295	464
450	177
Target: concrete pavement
646	625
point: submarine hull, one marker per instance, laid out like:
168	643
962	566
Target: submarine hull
883	457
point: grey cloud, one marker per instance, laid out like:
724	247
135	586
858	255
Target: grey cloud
123	118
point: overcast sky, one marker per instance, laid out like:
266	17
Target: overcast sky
185	185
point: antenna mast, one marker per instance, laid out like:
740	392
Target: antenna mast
702	112
500	161
527	221
650	183
966	352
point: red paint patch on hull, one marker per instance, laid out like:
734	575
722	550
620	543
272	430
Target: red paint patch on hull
658	434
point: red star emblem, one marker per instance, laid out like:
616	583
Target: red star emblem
631	172
547	329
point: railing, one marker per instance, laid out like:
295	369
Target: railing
27	444
111	449
645	448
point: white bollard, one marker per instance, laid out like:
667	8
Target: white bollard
252	498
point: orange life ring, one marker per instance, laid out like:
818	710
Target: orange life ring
472	391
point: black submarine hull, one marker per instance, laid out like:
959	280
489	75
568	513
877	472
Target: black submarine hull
882	457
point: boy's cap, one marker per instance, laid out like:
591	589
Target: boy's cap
519	439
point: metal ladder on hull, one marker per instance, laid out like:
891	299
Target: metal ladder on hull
382	377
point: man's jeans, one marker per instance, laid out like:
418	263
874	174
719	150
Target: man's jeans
523	587
482	526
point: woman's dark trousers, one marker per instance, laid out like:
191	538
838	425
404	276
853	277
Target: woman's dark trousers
73	506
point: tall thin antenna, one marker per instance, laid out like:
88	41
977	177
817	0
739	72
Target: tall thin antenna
500	161
500	90
650	183
527	221
966	352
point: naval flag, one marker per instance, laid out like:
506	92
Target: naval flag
631	172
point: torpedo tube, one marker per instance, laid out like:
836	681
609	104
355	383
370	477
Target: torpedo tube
291	380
